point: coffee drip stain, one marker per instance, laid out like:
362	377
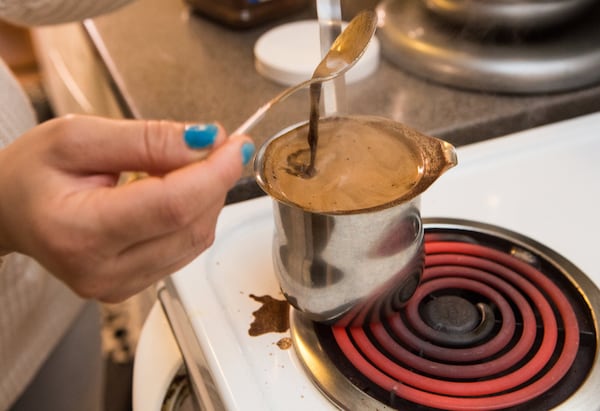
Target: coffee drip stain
271	317
285	343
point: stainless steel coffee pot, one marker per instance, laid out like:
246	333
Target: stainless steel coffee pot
352	267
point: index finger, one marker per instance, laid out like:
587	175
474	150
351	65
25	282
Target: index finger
99	145
156	206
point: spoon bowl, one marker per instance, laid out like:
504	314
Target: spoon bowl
343	54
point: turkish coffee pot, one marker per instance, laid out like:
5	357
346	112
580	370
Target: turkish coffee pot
349	265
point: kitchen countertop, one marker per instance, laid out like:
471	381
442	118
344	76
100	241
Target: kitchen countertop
169	63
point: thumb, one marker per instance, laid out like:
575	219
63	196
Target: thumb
95	144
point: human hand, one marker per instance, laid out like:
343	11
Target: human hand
60	202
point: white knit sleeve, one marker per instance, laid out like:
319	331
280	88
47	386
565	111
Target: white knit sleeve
42	12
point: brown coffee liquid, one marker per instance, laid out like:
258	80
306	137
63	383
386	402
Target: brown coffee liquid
313	126
360	165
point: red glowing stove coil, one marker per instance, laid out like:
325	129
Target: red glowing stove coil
506	358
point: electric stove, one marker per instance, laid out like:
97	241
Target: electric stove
505	317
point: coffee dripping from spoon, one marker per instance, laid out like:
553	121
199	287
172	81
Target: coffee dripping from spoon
297	163
343	54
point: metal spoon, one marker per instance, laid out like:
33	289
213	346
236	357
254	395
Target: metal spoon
345	51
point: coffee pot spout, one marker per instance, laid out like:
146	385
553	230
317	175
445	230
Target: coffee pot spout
438	157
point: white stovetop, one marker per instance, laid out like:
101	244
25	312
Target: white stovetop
541	183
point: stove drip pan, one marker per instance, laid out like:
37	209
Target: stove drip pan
558	59
498	322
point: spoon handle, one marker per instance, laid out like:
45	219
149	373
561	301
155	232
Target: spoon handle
259	114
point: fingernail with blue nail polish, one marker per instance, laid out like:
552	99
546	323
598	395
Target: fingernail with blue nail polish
247	152
200	135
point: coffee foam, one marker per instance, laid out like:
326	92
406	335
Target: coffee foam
359	165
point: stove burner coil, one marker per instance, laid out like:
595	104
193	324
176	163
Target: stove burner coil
469	267
485	330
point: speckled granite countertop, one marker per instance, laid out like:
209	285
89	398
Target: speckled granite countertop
168	63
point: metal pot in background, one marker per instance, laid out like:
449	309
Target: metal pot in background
350	267
507	14
519	47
